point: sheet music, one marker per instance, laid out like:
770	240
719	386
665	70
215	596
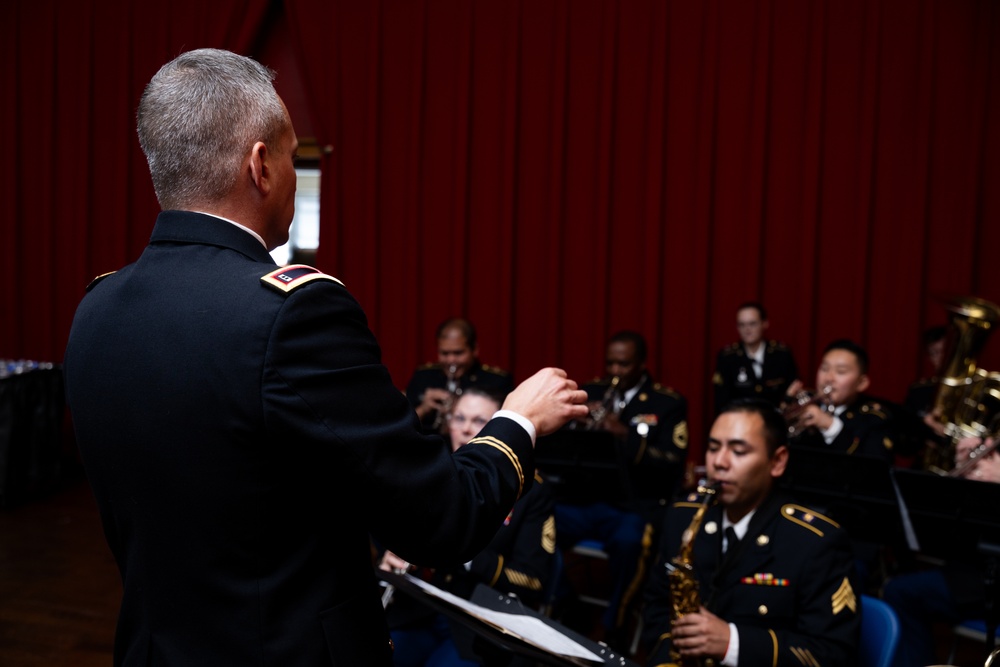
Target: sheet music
522	626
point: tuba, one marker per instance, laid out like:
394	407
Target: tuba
965	402
684	596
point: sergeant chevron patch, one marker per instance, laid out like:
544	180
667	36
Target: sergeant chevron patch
844	598
289	278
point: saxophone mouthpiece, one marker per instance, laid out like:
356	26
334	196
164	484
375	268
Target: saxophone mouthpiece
711	487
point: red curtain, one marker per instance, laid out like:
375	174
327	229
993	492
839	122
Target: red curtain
75	195
556	169
560	169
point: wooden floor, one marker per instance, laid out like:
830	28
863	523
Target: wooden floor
59	586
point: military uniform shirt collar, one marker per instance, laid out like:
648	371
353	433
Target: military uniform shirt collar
741	526
236	224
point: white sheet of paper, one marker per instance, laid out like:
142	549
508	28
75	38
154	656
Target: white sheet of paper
528	628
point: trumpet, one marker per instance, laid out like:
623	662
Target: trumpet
454	391
609	403
794	410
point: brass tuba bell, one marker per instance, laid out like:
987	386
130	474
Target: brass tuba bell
959	403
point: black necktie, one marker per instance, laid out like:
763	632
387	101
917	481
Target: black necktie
731	540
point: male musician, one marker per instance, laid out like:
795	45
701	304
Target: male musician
775	580
754	366
649	423
434	386
844	419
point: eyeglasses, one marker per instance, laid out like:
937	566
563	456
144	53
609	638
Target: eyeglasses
461	420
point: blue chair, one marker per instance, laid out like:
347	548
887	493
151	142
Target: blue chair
879	633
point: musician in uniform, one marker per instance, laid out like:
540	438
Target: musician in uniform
843	419
753	367
775	580
517	561
649	423
434	386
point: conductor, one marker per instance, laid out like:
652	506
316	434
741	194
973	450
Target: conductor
239	431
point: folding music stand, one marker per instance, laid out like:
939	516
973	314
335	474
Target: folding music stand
582	466
957	519
534	640
855	491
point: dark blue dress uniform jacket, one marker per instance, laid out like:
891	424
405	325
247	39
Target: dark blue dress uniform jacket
788	587
243	441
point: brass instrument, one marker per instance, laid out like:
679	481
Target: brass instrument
608	404
796	408
684	597
454	392
966	402
980	416
993	658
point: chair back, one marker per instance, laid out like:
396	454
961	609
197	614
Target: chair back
879	633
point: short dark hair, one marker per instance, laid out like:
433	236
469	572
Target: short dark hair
850	346
775	428
463	326
759	307
636	339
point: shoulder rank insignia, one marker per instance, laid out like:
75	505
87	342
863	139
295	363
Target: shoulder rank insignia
93	283
807	518
290	278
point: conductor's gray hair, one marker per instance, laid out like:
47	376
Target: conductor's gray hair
198	119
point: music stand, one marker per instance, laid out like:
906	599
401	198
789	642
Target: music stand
582	466
855	491
957	519
477	616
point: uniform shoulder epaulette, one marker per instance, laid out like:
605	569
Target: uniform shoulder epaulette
732	348
775	345
496	370
430	366
666	391
874	408
287	279
807	518
93	283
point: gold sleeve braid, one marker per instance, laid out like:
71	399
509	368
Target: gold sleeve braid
522	580
503	447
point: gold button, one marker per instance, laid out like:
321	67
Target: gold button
762	610
763	539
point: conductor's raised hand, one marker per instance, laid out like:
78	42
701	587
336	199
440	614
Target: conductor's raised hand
548	399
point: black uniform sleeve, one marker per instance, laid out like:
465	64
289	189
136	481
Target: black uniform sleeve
324	385
521	563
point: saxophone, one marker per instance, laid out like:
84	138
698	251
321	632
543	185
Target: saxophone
684	598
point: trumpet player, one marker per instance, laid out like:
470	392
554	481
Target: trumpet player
649	423
433	387
775	580
841	417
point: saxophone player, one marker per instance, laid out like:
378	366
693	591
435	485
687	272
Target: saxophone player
776	581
